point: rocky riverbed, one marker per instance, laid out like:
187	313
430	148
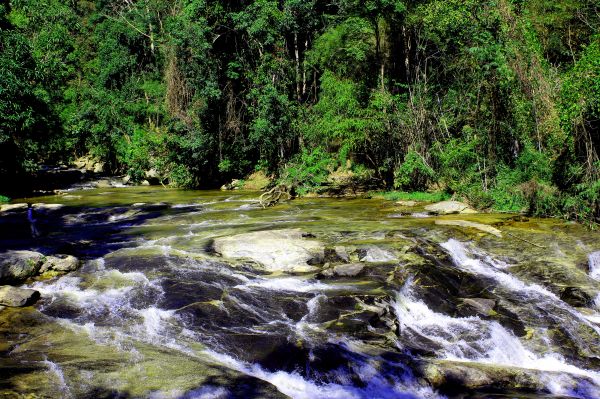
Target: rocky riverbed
161	293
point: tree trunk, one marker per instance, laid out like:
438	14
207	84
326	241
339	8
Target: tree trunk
297	59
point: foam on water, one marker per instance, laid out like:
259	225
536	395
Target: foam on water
185	206
55	370
297	387
484	265
594	262
288	284
204	392
471	339
154	322
69	288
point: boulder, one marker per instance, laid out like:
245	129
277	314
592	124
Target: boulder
473	225
348	270
152	176
235	184
17	266
60	263
17	297
449	207
98	167
276	250
341	253
373	254
343	270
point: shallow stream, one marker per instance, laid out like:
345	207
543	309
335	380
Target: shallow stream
431	310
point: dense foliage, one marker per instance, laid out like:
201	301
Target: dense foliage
496	101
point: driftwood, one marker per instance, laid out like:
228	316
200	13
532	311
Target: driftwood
274	195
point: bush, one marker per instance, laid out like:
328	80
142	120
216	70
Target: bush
413	173
308	170
413	196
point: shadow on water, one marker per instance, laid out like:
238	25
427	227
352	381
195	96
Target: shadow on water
82	232
242	387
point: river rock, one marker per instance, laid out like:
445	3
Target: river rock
60	263
13	207
235	184
343	270
277	250
349	270
98	167
481	377
373	254
41	207
17	297
477	307
464	223
448	207
17	266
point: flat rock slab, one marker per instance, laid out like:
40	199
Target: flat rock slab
449	207
17	266
13	207
276	250
17	297
464	223
407	203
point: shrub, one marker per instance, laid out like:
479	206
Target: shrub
413	173
308	170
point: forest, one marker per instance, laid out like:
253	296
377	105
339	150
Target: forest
496	102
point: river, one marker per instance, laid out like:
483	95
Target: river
395	304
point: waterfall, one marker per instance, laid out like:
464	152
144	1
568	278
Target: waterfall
594	262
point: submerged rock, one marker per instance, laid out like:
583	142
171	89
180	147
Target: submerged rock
477	307
17	266
464	223
449	207
407	203
277	250
17	297
60	263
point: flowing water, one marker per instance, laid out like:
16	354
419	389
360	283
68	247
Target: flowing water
433	311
